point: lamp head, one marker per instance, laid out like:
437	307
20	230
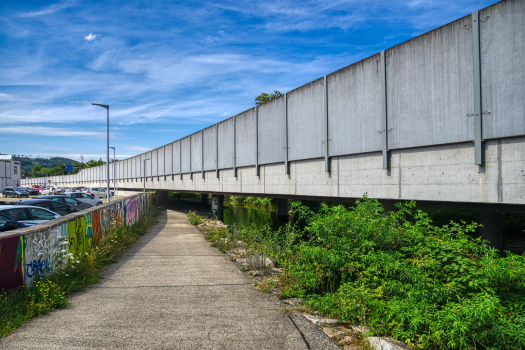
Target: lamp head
146	159
112	148
101	105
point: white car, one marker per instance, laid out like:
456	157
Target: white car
27	214
83	197
49	190
96	191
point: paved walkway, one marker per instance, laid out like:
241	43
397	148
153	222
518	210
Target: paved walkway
170	291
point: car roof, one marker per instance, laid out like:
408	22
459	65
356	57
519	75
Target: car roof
35	200
21	206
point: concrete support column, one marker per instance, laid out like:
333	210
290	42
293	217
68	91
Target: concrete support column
161	197
217	206
282	210
492	227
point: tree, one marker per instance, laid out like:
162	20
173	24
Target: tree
92	163
264	97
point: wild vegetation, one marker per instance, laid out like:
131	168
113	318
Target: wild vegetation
258	202
430	286
78	271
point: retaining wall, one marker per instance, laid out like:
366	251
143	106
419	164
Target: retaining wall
30	253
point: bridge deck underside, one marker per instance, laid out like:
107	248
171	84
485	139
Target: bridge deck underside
436	173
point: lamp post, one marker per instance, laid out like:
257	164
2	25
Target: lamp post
107	163
145	159
114	176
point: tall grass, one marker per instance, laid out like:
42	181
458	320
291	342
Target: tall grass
432	287
78	271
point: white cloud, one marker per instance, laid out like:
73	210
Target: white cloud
91	36
7	97
48	10
50	131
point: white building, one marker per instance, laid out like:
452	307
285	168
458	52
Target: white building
9	171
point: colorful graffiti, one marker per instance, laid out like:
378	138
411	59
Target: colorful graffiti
11	259
37	253
77	232
95	226
132	206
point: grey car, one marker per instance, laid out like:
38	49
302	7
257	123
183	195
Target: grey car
28	215
83	197
75	203
15	192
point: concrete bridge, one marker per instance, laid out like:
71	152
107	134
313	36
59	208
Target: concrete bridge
439	119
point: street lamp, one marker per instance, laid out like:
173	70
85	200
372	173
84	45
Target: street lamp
107	163
145	159
114	176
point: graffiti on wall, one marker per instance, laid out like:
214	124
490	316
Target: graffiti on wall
44	251
11	259
96	231
77	233
37	254
131	210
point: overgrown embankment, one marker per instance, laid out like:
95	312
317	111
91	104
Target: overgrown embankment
432	287
256	202
76	271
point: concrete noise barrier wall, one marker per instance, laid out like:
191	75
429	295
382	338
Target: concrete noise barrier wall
34	252
462	82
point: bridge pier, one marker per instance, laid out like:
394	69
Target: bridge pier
161	197
282	210
492	227
217	206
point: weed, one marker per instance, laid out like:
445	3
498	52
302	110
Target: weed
194	218
426	285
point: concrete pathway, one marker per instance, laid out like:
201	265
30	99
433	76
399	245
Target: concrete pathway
170	291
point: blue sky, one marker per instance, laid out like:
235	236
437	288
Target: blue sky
170	68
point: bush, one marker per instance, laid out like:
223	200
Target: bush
194	218
428	286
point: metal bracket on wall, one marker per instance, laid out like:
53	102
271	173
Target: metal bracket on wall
217	150
234	146
180	158
476	65
286	162
386	156
257	172
327	167
202	154
191	174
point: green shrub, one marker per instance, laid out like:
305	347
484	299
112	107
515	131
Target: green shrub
429	286
194	218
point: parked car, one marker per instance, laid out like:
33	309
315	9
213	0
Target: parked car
76	189
60	190
68	200
48	190
96	191
28	215
68	189
83	197
53	206
15	192
7	223
32	191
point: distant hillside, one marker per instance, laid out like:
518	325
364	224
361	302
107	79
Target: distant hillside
28	163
